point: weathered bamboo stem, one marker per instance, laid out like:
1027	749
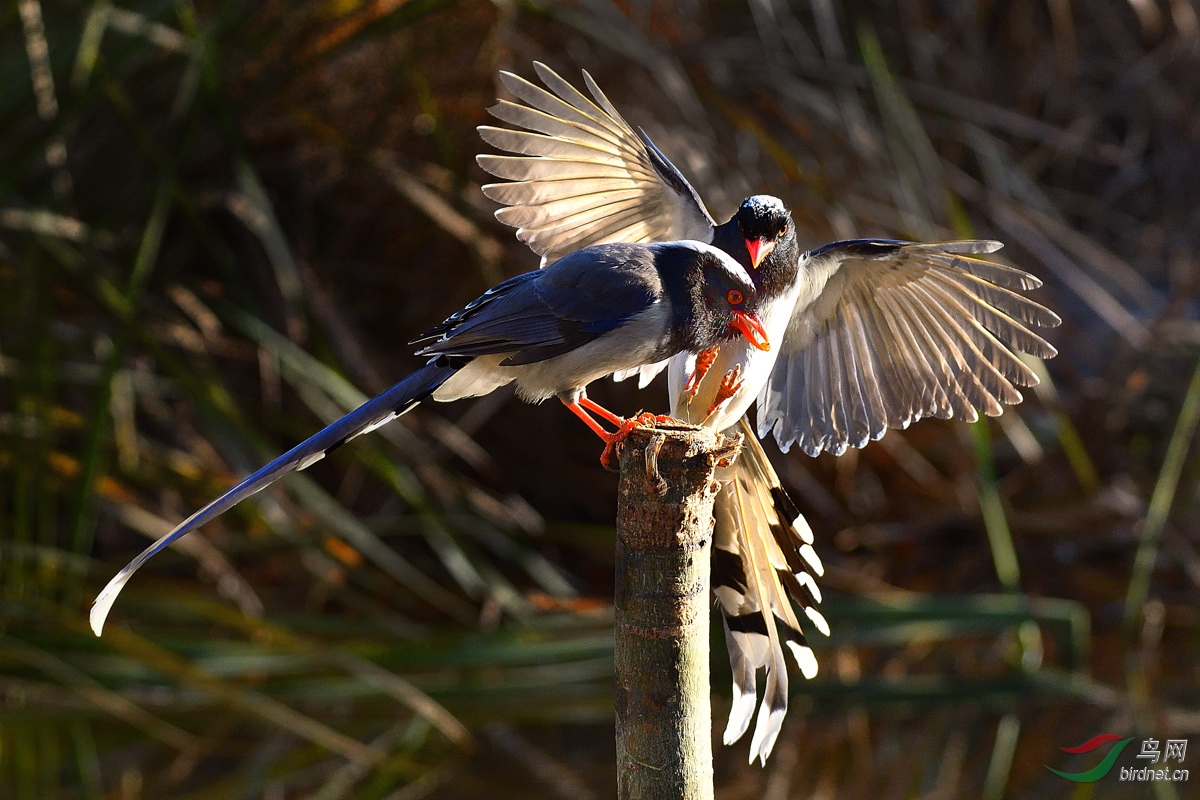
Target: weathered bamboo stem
664	536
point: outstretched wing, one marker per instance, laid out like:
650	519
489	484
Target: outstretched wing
581	175
897	331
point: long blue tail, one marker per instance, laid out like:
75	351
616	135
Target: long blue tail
367	417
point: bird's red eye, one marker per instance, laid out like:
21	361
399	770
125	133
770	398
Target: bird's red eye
734	297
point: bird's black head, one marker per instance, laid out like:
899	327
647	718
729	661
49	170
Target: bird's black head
765	224
762	237
712	296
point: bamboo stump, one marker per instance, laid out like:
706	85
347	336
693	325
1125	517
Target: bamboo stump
664	539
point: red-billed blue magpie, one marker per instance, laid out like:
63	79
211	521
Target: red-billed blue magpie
873	334
552	332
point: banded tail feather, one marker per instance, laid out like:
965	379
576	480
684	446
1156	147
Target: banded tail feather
754	575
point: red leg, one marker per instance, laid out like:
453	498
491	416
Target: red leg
643	418
624	426
596	427
704	362
600	410
731	384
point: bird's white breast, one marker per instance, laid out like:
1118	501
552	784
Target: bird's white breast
790	320
755	365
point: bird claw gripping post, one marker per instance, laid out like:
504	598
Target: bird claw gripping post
643	419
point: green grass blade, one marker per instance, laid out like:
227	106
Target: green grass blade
1161	501
995	521
95	694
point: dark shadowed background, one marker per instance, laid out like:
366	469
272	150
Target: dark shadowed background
221	222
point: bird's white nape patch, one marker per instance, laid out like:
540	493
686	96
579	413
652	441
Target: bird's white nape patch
808	554
805	659
817	619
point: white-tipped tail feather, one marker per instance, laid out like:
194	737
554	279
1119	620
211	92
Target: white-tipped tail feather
367	417
761	556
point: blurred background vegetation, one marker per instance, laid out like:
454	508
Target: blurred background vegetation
221	221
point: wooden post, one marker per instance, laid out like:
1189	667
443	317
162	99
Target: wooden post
664	540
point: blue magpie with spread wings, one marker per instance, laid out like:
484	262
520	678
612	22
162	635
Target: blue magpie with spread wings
870	334
552	332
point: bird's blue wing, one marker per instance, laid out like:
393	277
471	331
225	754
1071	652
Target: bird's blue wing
553	311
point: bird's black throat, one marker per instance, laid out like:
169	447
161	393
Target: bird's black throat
776	273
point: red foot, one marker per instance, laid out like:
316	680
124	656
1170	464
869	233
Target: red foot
624	426
643	419
650	420
611	440
704	362
731	384
600	410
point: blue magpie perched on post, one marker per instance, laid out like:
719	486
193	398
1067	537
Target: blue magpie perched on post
552	332
871	334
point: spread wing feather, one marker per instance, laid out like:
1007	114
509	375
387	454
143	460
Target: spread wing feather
537	144
519	168
581	175
568	212
897	331
622	226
